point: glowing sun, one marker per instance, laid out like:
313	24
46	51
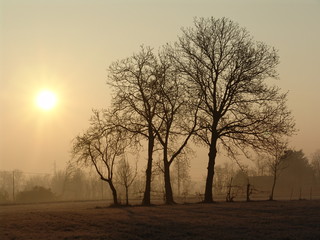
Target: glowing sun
46	100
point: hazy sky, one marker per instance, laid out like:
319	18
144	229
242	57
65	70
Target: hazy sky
67	45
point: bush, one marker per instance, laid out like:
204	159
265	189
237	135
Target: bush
4	196
37	194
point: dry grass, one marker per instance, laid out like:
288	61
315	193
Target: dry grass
92	220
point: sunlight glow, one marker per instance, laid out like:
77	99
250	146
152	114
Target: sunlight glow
46	100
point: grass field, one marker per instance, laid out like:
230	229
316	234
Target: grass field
93	220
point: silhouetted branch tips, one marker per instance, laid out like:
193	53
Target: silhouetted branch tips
100	147
210	87
238	109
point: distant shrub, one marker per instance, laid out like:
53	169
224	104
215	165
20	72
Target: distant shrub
4	196
37	194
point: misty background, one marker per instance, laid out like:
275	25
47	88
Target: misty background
67	46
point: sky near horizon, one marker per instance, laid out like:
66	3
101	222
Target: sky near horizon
67	46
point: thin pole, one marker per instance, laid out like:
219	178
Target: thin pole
13	185
101	190
178	162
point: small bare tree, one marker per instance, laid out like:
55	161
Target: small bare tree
244	170
101	147
315	163
182	168
231	194
276	161
126	174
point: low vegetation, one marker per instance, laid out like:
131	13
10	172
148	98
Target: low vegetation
221	220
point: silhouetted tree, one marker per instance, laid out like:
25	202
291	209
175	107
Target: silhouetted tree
182	175
260	167
76	184
299	172
244	175
315	163
134	102
229	70
58	183
223	176
7	180
176	115
126	175
152	100
277	161
101	147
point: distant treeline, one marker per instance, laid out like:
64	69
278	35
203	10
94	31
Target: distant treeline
299	180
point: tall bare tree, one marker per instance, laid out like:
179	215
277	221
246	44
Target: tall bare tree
151	100
134	101
229	70
101	148
176	114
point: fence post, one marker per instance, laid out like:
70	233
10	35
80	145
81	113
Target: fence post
13	186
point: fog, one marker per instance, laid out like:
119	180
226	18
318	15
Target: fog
300	179
69	55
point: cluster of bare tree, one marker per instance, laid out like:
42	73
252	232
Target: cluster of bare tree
69	184
209	87
291	175
297	178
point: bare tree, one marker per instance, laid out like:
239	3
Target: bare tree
58	183
260	166
182	168
277	161
223	176
126	175
11	183
229	70
299	171
244	170
315	163
101	147
134	102
151	100
176	114
231	190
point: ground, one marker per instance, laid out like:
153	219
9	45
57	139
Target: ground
94	220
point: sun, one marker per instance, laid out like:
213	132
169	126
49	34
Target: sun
46	100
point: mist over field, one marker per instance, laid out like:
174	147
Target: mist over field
299	180
159	120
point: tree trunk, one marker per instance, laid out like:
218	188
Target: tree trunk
167	183
248	192
273	186
178	174
208	196
114	193
229	198
146	198
127	195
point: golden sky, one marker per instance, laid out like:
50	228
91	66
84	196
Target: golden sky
66	46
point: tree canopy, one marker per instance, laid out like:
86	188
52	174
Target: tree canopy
229	70
210	86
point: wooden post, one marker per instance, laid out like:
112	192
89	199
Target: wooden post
13	186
